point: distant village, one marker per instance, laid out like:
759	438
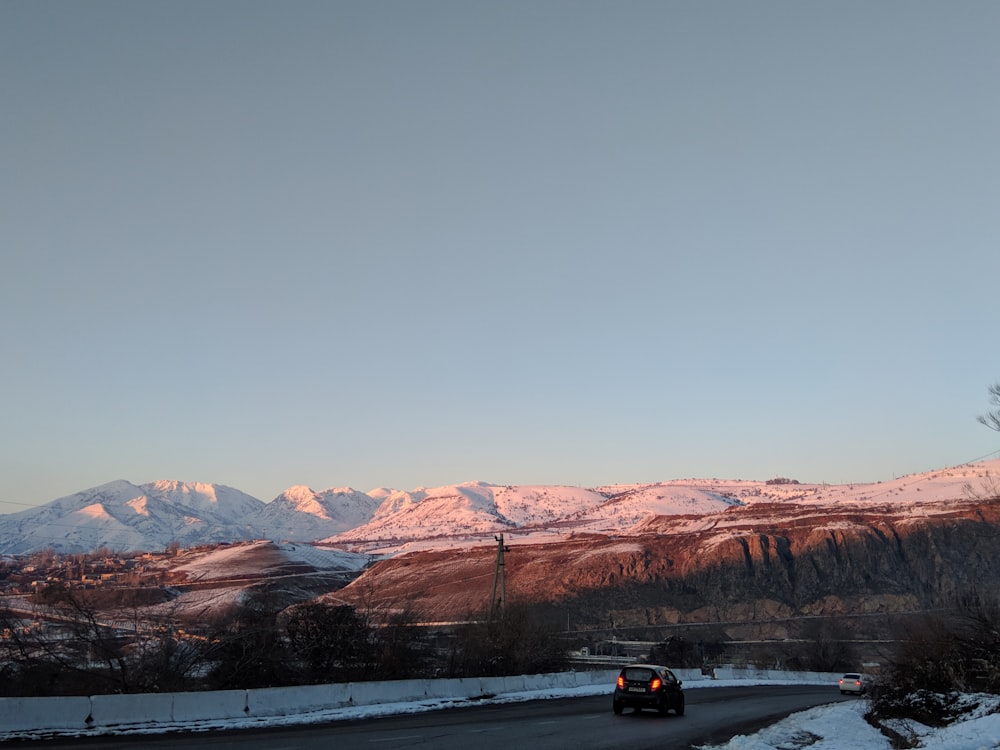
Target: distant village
25	574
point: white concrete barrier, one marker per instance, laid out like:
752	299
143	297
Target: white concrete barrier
455	687
804	677
394	691
131	708
205	706
548	681
22	714
751	673
301	699
512	684
596	677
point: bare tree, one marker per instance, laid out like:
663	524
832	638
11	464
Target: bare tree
93	646
990	485
247	647
827	645
82	642
521	641
992	418
333	641
26	668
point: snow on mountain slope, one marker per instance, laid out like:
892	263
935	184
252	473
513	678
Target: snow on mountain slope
393	501
423	520
956	482
468	508
381	493
204	498
94	525
534	505
913	489
473	508
629	504
302	514
123	517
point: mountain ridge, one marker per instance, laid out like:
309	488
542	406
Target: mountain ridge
125	517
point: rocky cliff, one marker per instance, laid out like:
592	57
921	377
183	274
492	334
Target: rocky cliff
758	564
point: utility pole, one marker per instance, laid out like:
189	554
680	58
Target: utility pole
497	603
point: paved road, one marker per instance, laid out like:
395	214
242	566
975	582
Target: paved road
713	715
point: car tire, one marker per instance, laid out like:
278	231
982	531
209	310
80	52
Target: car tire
617	708
680	707
663	707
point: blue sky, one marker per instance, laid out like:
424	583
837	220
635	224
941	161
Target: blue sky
419	243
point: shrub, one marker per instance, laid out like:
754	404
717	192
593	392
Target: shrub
517	641
938	659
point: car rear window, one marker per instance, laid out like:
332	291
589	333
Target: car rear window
639	674
852	676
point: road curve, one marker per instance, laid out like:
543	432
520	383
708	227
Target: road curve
713	715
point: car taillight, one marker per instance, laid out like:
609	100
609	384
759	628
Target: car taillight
621	681
655	684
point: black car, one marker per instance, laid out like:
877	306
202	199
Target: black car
648	686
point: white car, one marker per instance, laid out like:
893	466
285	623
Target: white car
854	682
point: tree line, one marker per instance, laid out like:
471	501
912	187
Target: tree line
76	644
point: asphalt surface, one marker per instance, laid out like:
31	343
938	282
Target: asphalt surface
713	715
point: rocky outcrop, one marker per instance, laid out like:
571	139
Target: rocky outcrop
751	564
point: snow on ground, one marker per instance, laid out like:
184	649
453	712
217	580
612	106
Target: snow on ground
322	558
201	604
842	725
833	727
259	557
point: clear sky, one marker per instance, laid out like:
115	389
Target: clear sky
417	243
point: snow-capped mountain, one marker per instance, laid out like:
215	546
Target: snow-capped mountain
122	516
458	514
443	511
471	508
127	517
301	514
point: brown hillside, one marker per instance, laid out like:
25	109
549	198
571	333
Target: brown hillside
758	563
